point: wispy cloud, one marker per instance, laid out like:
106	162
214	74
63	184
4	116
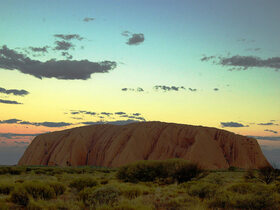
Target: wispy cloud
88	19
68	37
169	88
139	89
271	131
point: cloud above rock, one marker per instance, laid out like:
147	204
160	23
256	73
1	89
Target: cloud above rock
232	125
59	69
45	124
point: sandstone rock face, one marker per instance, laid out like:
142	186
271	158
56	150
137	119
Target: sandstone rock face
116	145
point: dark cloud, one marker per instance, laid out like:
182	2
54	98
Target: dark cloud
216	89
192	89
63	45
269	123
139	89
238	62
10	121
9	102
14	92
136	114
271	131
88	19
136	39
117	122
45	124
232	124
168	88
67	55
120	113
207	58
106	113
12	135
60	69
39	49
68	37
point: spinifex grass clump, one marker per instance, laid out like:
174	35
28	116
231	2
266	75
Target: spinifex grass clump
148	171
6	188
39	190
83	182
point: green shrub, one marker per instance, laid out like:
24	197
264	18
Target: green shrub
6	188
221	200
58	187
202	190
267	174
184	171
81	183
131	192
242	188
232	168
20	196
108	195
257	200
149	171
39	190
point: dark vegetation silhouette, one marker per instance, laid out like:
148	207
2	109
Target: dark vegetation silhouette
170	184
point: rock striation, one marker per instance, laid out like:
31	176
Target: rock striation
116	145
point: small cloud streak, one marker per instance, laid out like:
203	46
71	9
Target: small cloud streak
68	37
88	19
239	62
45	124
9	102
168	88
232	125
271	131
14	92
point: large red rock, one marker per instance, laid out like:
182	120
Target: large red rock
116	145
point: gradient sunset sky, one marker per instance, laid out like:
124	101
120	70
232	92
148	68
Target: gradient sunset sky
66	63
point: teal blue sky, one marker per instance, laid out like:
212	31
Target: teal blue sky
226	51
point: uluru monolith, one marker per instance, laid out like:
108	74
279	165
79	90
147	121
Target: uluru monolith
116	145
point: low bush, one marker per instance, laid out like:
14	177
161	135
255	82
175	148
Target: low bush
131	192
58	187
6	188
81	183
149	171
39	190
108	195
267	174
202	190
20	196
